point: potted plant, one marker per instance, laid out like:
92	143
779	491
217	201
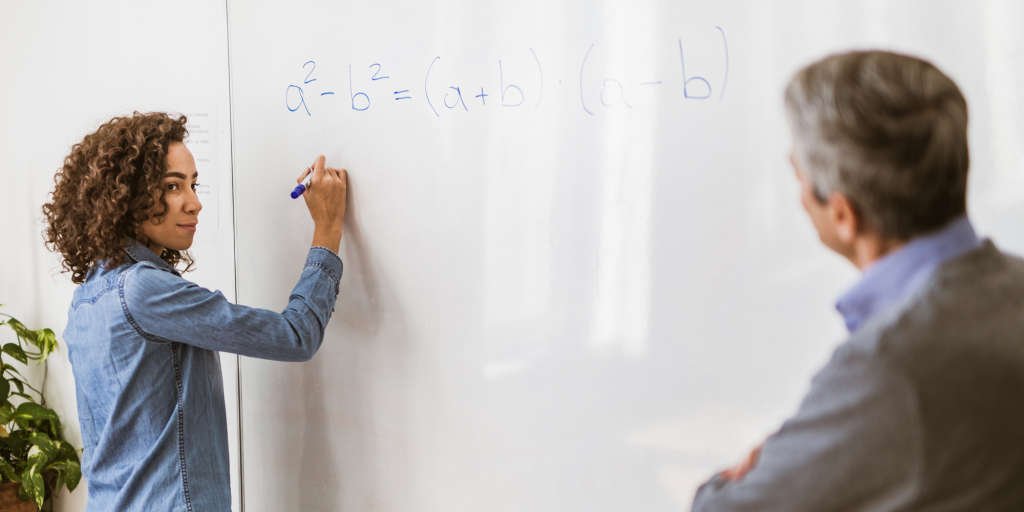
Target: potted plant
34	457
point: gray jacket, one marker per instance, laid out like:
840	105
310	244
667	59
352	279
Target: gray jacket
922	409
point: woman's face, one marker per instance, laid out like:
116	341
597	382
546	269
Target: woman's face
175	227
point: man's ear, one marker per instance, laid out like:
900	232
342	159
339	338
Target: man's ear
844	217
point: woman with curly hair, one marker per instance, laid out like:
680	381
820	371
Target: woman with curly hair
143	340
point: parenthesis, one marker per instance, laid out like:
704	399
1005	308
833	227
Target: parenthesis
725	44
581	79
541	71
427	95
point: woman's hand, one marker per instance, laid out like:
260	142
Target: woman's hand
325	198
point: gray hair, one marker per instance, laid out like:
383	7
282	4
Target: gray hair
887	131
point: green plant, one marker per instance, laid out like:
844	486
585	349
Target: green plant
32	450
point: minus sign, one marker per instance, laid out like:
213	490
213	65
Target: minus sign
325	93
404	98
400	92
650	83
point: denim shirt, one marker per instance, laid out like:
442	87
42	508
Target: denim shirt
143	345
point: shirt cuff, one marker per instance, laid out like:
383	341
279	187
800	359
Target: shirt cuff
325	259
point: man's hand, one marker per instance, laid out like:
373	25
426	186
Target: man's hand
740	470
325	198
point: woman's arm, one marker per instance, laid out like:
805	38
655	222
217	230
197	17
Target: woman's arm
163	307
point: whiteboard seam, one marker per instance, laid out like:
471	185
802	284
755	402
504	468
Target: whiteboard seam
234	227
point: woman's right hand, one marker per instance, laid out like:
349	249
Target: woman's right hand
325	198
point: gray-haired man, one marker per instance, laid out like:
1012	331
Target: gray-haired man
923	407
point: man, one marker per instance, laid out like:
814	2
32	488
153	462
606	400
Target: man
923	407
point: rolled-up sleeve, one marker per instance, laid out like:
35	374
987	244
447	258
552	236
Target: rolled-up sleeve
854	444
164	307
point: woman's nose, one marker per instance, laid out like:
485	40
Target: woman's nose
193	204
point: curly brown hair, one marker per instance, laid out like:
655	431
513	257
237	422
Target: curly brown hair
107	189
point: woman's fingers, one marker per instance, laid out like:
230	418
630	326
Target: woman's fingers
335	173
318	167
304	174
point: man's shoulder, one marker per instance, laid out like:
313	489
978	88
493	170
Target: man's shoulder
968	293
959	345
959	339
983	267
977	291
964	323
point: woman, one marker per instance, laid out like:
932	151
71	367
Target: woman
142	340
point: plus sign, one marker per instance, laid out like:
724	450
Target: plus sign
482	96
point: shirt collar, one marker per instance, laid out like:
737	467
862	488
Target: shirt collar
894	276
139	253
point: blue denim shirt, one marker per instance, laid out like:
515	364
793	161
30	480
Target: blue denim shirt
143	345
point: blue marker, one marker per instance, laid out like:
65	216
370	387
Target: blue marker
302	186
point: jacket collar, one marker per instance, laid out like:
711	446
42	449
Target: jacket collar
140	253
895	276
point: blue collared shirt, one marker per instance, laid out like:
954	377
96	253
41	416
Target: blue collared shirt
143	345
896	275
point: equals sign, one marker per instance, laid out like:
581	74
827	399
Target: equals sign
402	97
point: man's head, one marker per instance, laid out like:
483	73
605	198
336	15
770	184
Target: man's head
879	146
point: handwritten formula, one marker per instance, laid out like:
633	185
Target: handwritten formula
510	93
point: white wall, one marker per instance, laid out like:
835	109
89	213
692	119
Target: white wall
66	67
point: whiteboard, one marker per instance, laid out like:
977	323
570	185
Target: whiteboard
577	274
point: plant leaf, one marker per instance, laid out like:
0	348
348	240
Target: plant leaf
47	343
17	382
32	478
45	444
6	413
5	390
32	411
8	472
68	453
16	441
15	351
59	484
22	332
7	367
72	475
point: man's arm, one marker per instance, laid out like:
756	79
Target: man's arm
854	444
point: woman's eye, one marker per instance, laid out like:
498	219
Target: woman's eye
195	186
172	186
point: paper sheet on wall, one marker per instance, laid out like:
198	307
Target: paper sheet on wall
202	142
